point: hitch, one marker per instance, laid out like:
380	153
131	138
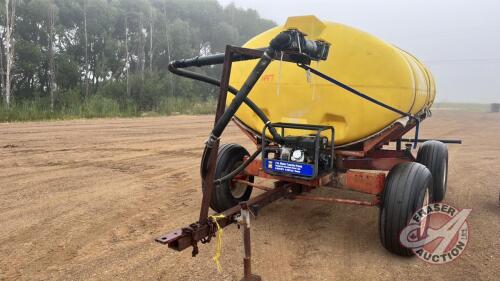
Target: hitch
180	239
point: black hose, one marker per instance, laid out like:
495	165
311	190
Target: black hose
174	68
279	43
240	168
212	81
207	60
366	97
240	97
198	61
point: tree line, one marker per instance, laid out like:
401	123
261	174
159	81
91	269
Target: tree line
111	55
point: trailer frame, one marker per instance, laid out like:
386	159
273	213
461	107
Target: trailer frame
361	167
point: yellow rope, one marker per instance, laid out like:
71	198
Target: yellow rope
218	246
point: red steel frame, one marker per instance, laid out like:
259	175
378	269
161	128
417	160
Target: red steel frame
366	155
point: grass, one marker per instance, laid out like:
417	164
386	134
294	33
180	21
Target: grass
94	107
102	107
169	106
99	107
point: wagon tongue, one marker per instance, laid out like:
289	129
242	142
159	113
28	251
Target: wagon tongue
185	237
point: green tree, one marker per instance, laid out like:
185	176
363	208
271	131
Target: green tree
67	51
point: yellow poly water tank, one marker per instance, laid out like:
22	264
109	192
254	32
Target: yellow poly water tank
380	70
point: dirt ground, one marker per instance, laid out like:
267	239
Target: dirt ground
84	199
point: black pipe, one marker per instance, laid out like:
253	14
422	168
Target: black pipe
175	66
366	97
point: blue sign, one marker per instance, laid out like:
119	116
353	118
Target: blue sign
295	168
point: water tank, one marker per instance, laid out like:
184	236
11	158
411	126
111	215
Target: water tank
286	93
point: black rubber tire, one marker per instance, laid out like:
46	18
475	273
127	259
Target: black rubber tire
403	195
229	157
434	155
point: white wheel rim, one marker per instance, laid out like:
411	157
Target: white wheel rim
238	189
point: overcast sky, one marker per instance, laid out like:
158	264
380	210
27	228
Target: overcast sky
458	40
